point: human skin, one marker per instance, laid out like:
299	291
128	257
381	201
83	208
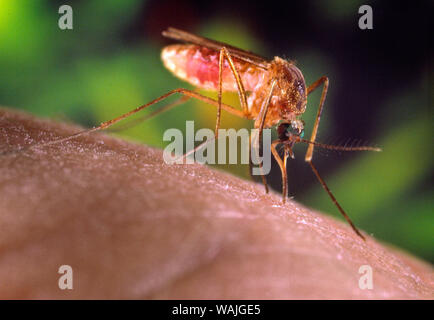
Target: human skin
133	227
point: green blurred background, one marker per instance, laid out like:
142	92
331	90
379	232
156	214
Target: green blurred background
379	91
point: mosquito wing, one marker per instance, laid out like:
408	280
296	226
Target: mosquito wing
247	56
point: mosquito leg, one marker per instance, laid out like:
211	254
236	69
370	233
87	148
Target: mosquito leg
224	53
259	124
335	201
220	92
111	122
241	93
282	165
151	115
323	80
264	180
250	160
309	153
243	101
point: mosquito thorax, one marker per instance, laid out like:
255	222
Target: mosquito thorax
291	88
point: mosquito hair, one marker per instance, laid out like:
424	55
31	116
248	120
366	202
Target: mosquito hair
346	147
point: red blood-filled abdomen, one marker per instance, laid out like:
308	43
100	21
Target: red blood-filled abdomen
200	67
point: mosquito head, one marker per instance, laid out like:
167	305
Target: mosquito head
291	131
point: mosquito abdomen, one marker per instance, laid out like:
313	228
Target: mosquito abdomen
200	67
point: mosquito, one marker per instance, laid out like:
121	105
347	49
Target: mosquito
273	93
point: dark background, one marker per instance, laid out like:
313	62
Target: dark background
379	88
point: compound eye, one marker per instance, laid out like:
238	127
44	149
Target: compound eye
292	131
